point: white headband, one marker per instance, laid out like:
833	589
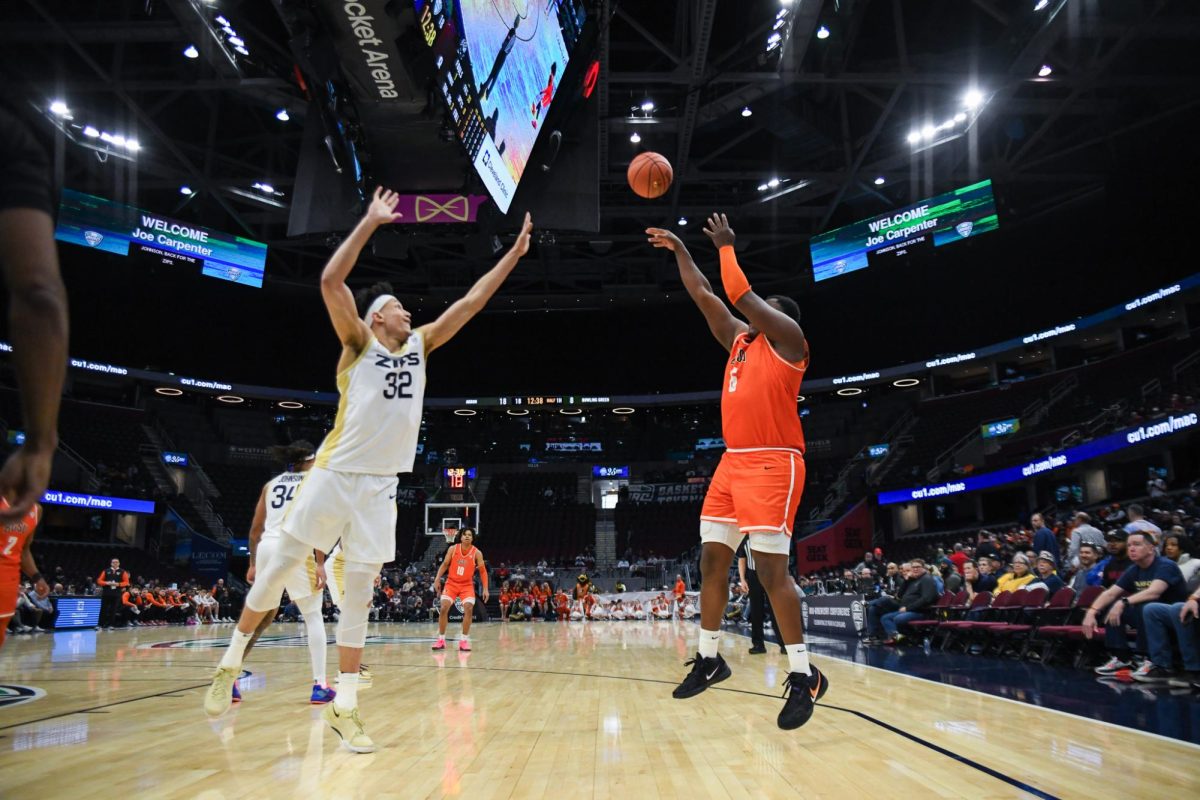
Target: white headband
377	305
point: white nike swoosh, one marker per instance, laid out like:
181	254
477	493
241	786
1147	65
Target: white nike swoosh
710	675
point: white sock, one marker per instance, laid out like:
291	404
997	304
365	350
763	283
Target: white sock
236	650
347	691
464	638
798	658
708	643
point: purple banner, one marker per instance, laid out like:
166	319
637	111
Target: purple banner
426	209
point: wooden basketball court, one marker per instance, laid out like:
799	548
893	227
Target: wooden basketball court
566	710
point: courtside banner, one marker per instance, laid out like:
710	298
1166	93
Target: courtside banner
1153	431
834	614
845	539
96	502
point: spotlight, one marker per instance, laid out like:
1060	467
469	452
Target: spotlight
191	52
231	398
168	391
904	383
773	182
973	98
622	410
132	145
746	111
960	118
59	109
90	132
928	131
849	391
1045	71
1041	4
465	412
282	115
880	181
265	187
683	220
762	187
914	137
647	106
822	32
635	137
186	191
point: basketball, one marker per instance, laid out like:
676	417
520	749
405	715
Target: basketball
650	175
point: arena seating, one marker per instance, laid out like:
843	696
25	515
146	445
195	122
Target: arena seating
532	515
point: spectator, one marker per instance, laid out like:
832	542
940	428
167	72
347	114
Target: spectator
892	580
1088	555
1155	486
986	548
958	558
131	606
1046	576
868	562
220	593
1159	620
1175	547
1018	578
1043	538
1117	563
1138	522
1083	532
987	568
1151	578
919	593
951	579
114	581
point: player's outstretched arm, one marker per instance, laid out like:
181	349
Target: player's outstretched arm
442	330
723	324
783	331
351	330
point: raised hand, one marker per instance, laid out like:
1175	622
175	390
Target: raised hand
521	246
383	207
718	230
663	238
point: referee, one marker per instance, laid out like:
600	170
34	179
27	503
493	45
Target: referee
748	577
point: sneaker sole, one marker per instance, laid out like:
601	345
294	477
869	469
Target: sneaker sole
346	744
723	675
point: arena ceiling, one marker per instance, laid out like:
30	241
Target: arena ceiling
829	117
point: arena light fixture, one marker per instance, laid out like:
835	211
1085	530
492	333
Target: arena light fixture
746	112
1045	71
291	404
774	182
635	137
59	109
683	220
973	98
518	412
465	412
822	32
282	115
93	137
570	412
762	187
186	191
849	391
168	391
880	181
232	399
191	52
932	133
904	383
1041	4
623	410
647	105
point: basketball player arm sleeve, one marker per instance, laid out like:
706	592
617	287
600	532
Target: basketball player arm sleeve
460	312
781	329
723	324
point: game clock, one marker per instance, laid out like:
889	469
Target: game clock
457	477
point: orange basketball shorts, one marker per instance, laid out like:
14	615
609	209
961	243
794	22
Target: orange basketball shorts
454	591
758	490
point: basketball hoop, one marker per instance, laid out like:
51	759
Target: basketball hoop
450	534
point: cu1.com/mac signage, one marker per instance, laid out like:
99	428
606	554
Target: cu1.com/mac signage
1130	437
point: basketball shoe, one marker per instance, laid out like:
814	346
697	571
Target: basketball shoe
321	695
705	672
237	695
220	693
464	645
440	644
349	728
802	692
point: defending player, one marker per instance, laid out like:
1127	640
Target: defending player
15	558
350	491
757	486
306	585
459	565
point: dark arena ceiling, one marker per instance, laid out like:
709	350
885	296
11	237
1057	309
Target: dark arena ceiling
1083	102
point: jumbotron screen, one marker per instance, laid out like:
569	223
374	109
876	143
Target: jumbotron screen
499	64
95	222
936	221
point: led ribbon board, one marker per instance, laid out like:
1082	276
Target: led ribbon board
90	221
1129	437
936	221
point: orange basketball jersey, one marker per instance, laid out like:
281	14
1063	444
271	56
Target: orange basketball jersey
12	542
462	565
758	402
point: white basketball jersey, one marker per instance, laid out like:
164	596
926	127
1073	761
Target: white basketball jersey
379	412
280	491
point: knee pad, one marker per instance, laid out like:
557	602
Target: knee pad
726	533
356	603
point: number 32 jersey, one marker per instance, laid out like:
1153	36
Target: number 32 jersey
379	411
